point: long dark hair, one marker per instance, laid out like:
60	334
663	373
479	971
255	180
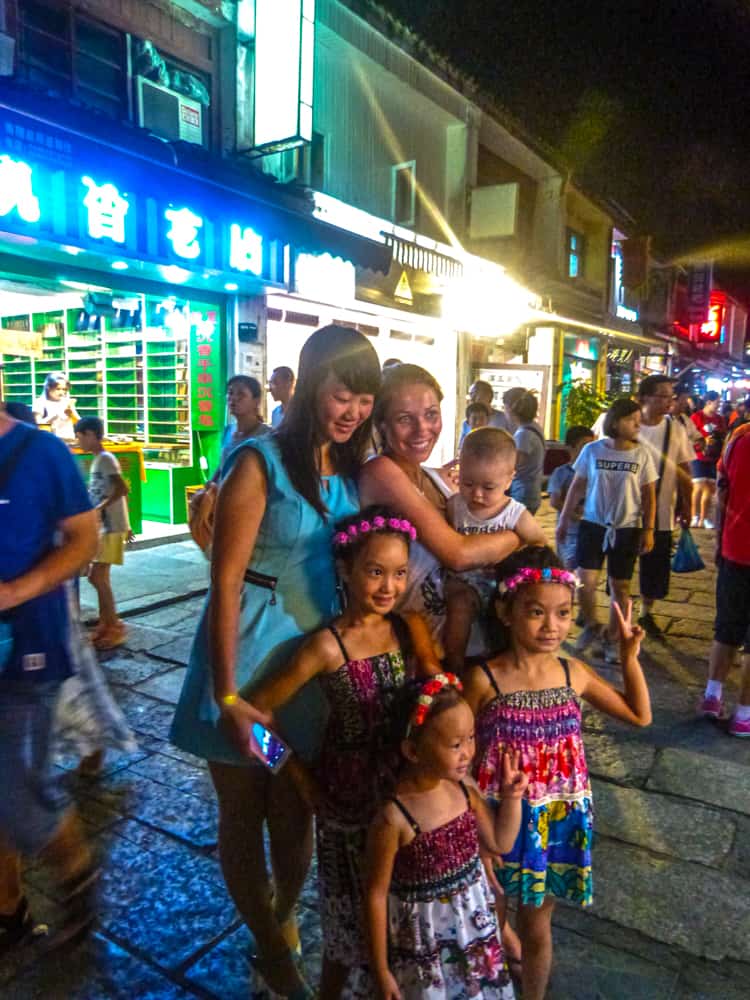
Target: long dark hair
351	358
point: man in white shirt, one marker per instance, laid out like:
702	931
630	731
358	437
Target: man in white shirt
672	454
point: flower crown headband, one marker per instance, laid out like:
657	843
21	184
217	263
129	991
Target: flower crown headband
356	531
432	687
528	575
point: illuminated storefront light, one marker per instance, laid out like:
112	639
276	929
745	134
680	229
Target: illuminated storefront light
486	301
106	211
16	190
245	249
183	233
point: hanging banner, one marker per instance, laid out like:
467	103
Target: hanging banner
700	279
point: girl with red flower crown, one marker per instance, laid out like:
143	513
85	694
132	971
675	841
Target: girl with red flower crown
360	661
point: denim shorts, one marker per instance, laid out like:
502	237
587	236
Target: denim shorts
32	801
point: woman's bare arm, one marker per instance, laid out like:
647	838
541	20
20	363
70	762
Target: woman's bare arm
382	482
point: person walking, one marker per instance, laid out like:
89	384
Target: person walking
732	623
526	486
243	404
713	430
273	581
672	454
281	387
482	392
49	532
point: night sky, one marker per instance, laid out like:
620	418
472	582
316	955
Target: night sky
649	102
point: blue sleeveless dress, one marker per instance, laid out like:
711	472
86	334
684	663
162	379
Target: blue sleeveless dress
290	591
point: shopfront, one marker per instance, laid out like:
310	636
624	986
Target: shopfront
124	274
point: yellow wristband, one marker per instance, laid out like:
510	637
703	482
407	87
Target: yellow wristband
227	700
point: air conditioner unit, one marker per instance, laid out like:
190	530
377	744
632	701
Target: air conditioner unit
169	114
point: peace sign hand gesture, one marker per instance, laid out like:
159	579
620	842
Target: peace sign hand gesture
631	635
514	782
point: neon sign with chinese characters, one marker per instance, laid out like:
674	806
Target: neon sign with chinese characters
100	211
711	331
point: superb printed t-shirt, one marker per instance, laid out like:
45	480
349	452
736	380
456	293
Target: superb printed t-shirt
735	535
615	479
680	452
103	468
44	489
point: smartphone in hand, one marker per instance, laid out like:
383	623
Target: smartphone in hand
268	747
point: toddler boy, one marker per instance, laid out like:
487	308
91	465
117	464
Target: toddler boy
559	483
486	466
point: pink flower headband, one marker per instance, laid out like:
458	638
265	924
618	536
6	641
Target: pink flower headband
528	575
432	687
355	531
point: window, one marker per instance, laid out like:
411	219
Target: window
575	253
72	56
404	194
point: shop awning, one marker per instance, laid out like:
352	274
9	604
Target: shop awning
540	317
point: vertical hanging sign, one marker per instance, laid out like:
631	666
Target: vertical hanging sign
284	73
700	279
206	383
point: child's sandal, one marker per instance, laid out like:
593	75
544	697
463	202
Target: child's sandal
19	928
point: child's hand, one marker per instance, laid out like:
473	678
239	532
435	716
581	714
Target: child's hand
631	635
388	987
514	782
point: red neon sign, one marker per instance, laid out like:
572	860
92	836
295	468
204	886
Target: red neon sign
710	331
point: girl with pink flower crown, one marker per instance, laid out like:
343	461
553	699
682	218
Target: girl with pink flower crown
360	661
527	701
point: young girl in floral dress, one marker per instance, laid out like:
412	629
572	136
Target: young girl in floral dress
526	702
361	660
432	928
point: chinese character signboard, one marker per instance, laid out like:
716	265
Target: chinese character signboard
124	206
206	383
700	278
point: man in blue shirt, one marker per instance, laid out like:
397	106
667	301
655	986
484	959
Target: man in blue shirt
281	387
481	392
48	532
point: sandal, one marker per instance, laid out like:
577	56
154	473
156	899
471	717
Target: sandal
267	970
19	928
79	908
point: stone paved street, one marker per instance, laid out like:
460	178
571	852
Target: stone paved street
672	862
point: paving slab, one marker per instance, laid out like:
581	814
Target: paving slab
704	778
587	970
166	686
659	823
97	970
141	638
166	905
146	715
175	773
659	897
129	668
176	649
627	763
188	817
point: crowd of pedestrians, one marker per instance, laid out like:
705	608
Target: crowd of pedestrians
381	673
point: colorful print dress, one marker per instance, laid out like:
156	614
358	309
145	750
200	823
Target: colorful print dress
355	771
552	854
444	940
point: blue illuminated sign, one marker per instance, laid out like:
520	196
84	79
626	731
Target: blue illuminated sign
183	234
16	190
141	210
106	211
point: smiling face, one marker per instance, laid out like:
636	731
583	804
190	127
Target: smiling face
340	411
444	746
376	577
483	482
413	423
538	616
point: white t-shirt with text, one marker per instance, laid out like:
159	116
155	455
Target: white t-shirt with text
614	482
